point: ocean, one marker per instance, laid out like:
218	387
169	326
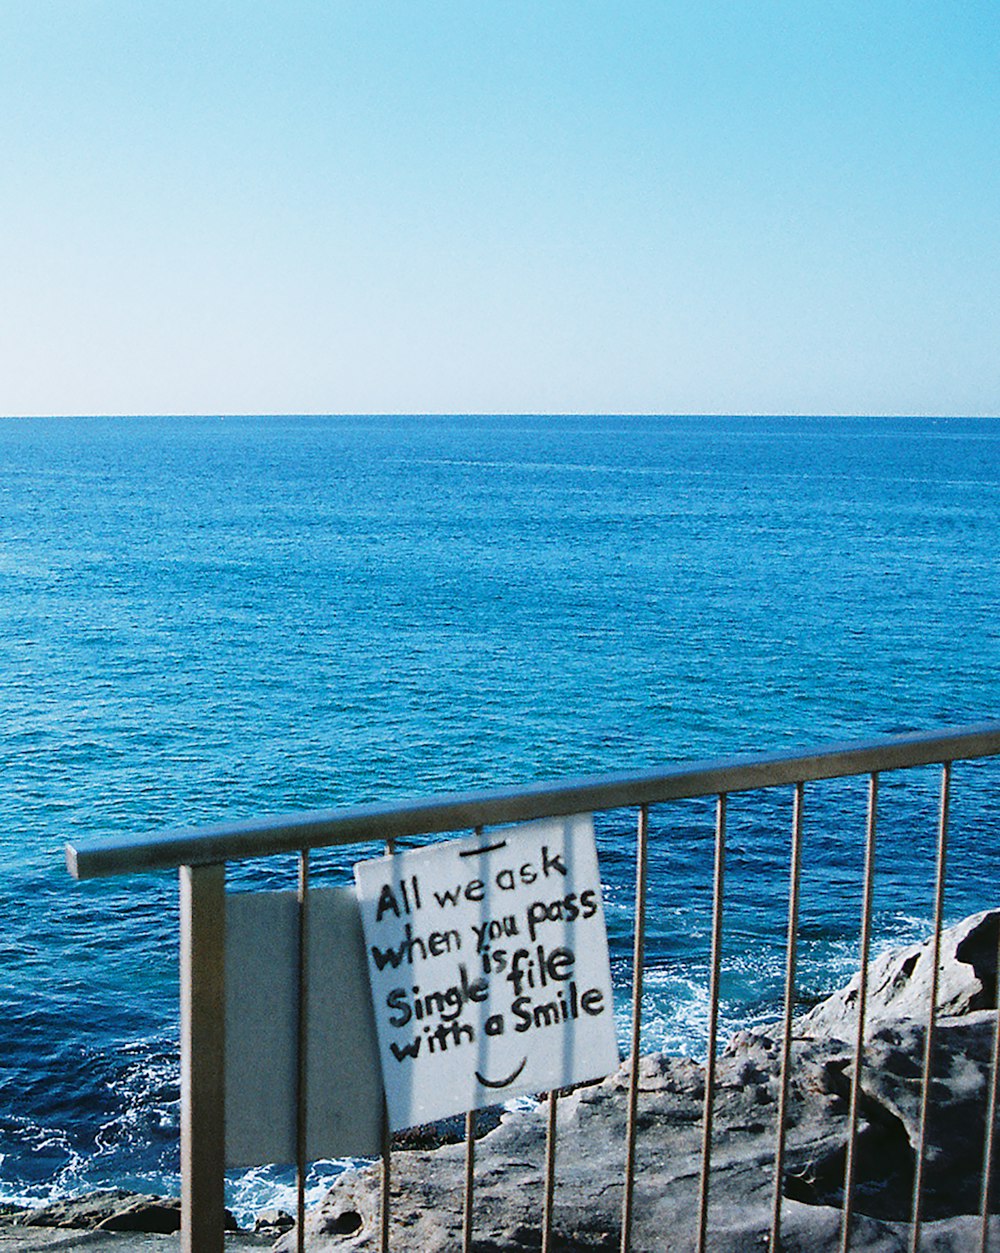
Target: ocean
212	618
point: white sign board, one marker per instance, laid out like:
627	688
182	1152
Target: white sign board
488	960
343	1083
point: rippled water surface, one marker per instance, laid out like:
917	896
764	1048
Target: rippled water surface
212	618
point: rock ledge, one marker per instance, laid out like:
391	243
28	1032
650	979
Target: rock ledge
427	1185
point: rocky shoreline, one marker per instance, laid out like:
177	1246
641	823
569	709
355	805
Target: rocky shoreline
427	1181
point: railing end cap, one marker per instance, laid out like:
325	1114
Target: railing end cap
72	864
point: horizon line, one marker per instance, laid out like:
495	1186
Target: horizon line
495	413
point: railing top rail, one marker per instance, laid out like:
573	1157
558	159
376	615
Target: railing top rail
458	811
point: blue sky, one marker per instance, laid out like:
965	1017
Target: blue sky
409	206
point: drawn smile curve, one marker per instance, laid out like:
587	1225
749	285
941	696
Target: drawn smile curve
502	1083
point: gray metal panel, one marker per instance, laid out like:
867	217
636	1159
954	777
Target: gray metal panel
344	1083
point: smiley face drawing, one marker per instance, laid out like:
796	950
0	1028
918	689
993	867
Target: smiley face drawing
501	1083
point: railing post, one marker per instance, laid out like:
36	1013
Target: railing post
718	884
549	1195
470	1179
786	1039
470	1167
850	1164
989	1143
203	1044
638	957
385	1180
925	1091
302	1051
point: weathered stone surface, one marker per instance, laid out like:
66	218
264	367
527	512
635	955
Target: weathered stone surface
50	1239
154	1214
427	1185
273	1222
111	1210
87	1211
899	983
427	1182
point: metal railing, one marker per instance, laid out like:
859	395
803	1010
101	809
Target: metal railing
201	856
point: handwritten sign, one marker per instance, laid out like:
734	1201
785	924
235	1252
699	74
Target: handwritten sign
488	960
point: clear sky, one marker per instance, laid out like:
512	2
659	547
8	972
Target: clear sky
503	206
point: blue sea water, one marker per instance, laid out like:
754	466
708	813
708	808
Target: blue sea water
208	618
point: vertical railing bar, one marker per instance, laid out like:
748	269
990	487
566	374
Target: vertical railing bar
786	1043
925	1095
550	1171
991	1112
470	1168
385	1188
638	951
470	1165
203	1057
385	1183
850	1166
718	879
302	1047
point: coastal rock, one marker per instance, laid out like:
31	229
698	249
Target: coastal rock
899	983
273	1222
427	1184
86	1212
111	1210
152	1214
